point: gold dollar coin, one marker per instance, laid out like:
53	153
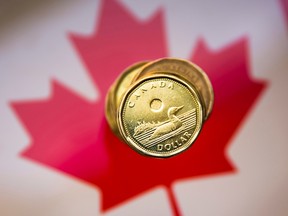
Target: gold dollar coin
160	115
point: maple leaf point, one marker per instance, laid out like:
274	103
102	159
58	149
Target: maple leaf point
120	41
71	134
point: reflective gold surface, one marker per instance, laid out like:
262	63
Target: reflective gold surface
185	70
160	116
158	107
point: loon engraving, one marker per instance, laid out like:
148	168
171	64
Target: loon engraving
173	124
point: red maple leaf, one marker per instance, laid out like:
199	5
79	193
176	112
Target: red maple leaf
70	134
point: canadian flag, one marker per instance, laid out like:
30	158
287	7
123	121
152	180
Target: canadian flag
57	153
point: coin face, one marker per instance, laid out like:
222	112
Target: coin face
160	116
187	70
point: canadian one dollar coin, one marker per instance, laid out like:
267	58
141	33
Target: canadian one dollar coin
160	116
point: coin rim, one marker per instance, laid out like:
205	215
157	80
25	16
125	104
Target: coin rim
136	146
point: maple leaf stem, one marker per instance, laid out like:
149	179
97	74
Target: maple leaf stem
173	201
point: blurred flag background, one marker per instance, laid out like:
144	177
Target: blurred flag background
57	155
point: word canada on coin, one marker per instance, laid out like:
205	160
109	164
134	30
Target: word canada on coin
158	107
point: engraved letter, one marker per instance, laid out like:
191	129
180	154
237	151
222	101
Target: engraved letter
183	139
143	90
162	84
179	144
137	96
167	146
171	86
187	134
131	104
159	147
153	86
174	146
